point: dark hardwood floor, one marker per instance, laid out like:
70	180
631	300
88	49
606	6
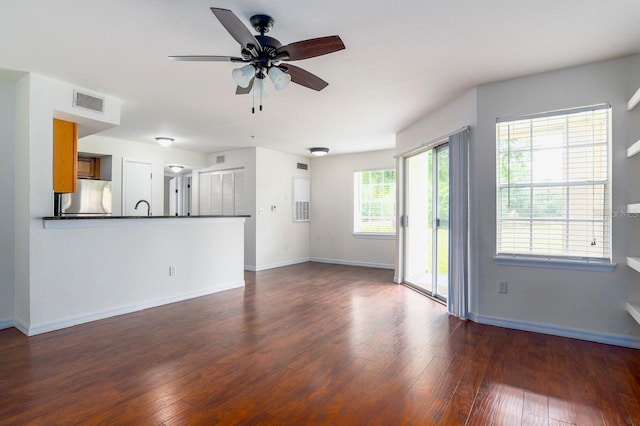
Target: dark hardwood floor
312	344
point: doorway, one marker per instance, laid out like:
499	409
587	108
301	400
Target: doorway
426	221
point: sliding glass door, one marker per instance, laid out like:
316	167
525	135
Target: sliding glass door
427	221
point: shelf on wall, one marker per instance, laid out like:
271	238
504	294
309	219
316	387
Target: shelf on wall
633	263
633	208
634	310
633	149
634	100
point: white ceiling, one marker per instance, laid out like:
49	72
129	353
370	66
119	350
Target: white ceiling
403	59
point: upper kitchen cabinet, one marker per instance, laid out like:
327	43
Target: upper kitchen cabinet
65	156
88	167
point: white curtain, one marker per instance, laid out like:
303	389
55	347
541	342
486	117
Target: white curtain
457	302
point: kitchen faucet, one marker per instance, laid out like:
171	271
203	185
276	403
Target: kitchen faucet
148	206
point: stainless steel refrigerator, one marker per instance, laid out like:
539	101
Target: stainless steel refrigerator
93	198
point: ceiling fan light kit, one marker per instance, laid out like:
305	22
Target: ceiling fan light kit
319	151
264	55
243	76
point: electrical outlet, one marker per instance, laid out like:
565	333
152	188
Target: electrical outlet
172	271
502	287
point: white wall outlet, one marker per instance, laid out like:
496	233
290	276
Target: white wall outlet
502	287
172	271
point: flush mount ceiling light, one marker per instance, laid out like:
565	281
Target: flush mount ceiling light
175	168
319	152
164	142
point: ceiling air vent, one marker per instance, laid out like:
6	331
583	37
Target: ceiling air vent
220	159
83	100
303	166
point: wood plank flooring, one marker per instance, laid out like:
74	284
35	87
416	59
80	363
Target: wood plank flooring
312	344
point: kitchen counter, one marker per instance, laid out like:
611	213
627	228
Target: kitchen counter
98	217
64	222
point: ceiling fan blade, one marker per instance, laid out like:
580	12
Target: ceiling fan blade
205	58
310	48
236	28
245	90
303	77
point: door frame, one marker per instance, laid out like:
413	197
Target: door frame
401	278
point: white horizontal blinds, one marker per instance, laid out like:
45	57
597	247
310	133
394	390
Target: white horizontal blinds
553	185
376	201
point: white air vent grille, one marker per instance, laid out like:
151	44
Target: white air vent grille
301	200
220	159
302	211
83	100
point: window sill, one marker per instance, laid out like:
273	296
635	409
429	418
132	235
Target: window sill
573	265
374	236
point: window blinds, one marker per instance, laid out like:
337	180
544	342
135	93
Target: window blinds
553	185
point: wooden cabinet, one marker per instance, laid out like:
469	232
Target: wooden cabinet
89	167
65	156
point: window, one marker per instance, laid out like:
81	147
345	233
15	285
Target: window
553	186
375	202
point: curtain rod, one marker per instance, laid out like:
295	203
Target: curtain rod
432	142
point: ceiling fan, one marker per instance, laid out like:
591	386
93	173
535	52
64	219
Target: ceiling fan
263	55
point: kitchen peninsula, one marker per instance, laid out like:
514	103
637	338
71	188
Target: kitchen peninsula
111	265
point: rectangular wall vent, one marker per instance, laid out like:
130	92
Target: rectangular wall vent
303	166
83	100
220	159
301	200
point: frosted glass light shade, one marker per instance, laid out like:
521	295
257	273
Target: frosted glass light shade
175	168
279	78
242	76
318	151
164	142
259	88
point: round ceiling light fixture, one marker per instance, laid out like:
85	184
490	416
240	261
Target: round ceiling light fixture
175	168
319	152
164	142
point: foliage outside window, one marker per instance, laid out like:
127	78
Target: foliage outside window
375	202
553	185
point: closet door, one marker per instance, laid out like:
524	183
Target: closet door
205	194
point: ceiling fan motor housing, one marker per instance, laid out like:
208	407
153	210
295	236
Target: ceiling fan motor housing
262	23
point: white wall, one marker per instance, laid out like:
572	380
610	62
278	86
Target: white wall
458	113
332	202
7	199
154	153
279	240
582	304
567	299
121	266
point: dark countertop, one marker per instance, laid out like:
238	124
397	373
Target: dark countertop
135	217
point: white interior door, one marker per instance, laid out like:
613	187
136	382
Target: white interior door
136	186
173	197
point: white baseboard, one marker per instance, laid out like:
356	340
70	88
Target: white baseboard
57	325
7	323
275	265
352	263
574	333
